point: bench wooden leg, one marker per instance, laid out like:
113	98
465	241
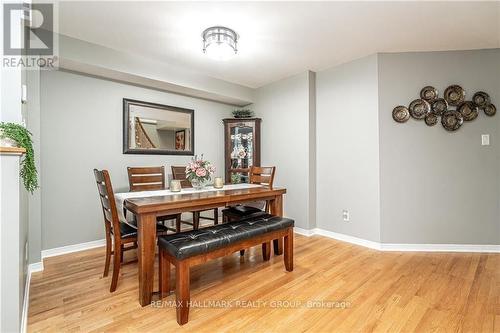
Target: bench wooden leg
182	291
266	251
288	257
164	274
278	246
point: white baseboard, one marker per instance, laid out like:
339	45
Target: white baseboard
441	247
32	268
400	247
303	232
72	248
347	238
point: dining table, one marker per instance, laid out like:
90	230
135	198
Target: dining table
148	205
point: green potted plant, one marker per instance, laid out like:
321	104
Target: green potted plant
16	135
242	113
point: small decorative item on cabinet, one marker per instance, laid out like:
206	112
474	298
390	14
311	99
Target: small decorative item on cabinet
242	148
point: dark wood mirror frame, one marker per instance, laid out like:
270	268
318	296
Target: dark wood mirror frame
126	148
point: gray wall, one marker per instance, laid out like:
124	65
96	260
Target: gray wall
436	186
347	146
284	107
81	129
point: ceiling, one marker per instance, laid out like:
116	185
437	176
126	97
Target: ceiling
279	39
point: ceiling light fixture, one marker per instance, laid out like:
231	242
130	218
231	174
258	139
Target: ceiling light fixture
220	43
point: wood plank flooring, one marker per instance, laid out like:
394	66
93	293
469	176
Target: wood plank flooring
349	289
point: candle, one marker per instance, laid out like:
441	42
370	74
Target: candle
218	182
175	185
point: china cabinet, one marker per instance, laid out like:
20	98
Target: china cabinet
242	148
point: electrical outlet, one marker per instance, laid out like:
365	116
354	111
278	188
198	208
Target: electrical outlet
485	139
345	215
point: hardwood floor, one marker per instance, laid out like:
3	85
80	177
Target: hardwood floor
375	291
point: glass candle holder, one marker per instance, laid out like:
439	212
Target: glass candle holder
218	182
175	185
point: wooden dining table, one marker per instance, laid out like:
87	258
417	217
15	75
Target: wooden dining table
147	209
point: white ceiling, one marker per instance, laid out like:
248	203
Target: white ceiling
279	39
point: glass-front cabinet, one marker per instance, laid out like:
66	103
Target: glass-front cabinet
242	148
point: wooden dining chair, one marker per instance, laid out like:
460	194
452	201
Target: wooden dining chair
179	173
120	236
257	175
151	179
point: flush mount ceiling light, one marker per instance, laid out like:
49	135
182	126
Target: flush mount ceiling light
220	43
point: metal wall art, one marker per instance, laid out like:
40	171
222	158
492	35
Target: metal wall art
452	108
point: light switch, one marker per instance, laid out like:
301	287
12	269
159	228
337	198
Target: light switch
485	139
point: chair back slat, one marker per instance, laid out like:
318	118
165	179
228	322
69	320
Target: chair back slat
146	178
179	173
107	199
262	175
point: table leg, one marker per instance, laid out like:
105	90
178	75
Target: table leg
146	240
277	209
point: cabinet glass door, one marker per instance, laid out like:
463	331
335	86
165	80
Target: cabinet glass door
242	152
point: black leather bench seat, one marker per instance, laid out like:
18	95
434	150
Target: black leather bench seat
191	243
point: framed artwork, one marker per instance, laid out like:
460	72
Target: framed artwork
180	140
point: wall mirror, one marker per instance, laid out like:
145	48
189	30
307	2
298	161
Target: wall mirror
150	128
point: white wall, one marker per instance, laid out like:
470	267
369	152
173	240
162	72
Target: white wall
284	107
438	186
347	149
81	129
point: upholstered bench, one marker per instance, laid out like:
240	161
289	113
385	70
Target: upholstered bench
198	246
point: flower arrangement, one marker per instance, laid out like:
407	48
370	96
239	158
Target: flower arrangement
199	171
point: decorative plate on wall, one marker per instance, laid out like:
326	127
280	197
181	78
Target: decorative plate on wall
400	114
439	106
490	110
481	99
454	95
419	108
452	120
429	94
431	119
468	110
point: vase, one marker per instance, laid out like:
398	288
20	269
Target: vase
198	184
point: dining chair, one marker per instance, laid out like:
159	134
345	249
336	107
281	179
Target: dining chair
118	234
151	179
257	175
179	173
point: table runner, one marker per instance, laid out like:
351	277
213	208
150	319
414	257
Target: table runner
121	197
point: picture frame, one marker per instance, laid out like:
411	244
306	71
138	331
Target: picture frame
180	140
130	130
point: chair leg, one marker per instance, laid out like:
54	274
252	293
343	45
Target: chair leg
178	223
196	220
216	216
163	273
242	253
182	291
108	252
266	251
121	253
288	256
116	266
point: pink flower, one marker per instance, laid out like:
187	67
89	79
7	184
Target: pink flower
201	172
